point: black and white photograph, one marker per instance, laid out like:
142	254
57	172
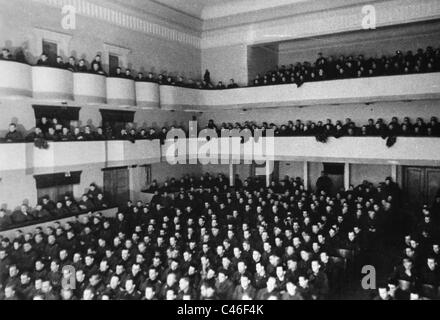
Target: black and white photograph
220	154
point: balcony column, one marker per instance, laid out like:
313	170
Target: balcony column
394	172
135	174
346	176
269	169
306	175
231	174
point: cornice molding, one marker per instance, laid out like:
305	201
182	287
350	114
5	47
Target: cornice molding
125	20
338	20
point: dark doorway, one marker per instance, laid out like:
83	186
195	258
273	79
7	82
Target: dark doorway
116	185
51	49
420	185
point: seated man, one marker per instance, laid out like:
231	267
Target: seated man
51	135
71	65
97	70
13	135
86	204
5	220
40	213
6	54
44	60
220	85
59	210
22	215
140	77
60	63
150	77
33	136
118	73
100	202
232	84
93	191
128	74
65	135
82	66
430	273
96	65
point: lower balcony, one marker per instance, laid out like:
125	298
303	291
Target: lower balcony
69	156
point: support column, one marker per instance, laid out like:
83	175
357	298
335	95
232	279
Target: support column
346	176
231	174
135	182
306	175
394	172
269	168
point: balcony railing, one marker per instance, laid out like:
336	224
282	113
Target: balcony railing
420	151
360	90
69	156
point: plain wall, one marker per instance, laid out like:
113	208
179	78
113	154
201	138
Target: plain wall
225	63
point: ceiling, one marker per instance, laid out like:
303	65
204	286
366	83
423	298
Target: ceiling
211	9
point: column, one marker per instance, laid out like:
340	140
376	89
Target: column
394	172
306	175
231	174
347	176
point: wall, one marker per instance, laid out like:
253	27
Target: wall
19	17
292	169
260	60
372	173
225	63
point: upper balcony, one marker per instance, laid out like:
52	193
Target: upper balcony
16	80
47	83
69	156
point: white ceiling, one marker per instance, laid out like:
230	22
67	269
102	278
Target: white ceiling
211	9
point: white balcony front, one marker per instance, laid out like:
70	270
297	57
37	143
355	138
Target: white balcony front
126	153
359	90
52	83
147	95
16	79
121	92
89	88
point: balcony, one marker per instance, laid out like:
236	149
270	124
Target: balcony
362	90
16	80
70	156
52	83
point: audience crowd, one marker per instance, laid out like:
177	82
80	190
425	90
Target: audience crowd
52	209
331	68
52	130
199	238
417	274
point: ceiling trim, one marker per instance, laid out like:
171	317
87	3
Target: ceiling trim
306	25
125	20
